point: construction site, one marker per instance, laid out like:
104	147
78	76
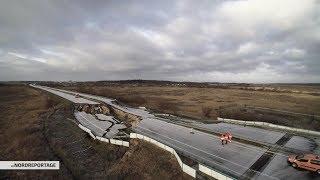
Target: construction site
269	145
177	90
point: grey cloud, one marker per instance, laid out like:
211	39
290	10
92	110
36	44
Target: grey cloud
180	40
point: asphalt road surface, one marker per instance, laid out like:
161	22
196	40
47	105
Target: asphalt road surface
301	143
98	127
234	158
69	97
135	111
280	169
245	132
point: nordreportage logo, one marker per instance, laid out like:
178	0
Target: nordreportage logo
34	165
53	165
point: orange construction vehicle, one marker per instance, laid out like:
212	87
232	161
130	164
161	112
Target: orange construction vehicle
225	138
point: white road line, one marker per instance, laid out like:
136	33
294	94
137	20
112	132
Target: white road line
193	147
207	153
252	148
176	147
235	142
181	143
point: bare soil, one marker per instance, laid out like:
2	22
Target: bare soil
21	131
35	125
134	162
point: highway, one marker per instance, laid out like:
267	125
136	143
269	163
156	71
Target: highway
98	127
245	132
233	159
107	127
138	112
206	148
69	97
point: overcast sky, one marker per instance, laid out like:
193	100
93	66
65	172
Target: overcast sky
227	41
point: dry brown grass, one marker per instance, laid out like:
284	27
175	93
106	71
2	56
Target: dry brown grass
21	130
280	118
206	111
189	101
25	135
141	157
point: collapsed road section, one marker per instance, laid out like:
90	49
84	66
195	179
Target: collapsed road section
232	160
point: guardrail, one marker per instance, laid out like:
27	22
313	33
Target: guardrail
114	141
111	141
213	173
270	125
87	130
185	168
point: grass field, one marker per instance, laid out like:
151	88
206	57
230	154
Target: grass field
190	101
22	131
35	125
209	103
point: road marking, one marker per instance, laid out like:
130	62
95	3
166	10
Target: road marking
174	140
206	152
253	148
68	96
100	98
192	146
116	106
179	142
240	145
201	157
